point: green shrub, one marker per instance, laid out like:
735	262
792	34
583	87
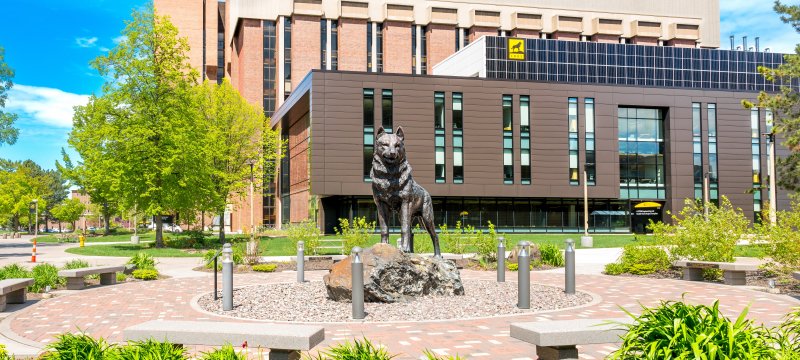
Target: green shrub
145	274
143	261
422	241
486	244
77	346
514	266
14	271
782	246
148	350
226	352
357	350
551	255
265	267
675	330
692	237
788	335
4	355
121	277
355	233
614	269
75	264
45	275
307	232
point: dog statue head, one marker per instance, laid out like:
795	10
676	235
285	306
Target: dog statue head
389	147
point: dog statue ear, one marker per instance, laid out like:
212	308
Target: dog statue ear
381	131
399	133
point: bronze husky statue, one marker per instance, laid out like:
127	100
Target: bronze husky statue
393	189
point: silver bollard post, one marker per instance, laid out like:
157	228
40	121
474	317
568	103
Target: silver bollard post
501	259
524	276
569	269
301	275
357	276
227	277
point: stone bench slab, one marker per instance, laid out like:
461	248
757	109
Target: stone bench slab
570	332
796	275
271	336
716	265
12	291
81	272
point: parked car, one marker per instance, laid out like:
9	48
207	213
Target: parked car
166	227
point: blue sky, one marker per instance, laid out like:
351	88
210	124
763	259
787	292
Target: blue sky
50	43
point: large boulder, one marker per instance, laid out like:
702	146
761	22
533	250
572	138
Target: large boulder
393	276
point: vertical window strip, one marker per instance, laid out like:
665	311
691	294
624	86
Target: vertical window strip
220	49
697	152
413	49
438	128
508	140
387	110
713	172
369	132
269	53
572	123
379	45
287	50
769	120
424	49
334	46
591	166
323	44
458	138
525	139
370	62
755	145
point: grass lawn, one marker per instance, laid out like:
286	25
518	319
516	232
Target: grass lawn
100	239
748	251
128	250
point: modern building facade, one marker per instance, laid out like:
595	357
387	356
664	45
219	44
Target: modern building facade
384	52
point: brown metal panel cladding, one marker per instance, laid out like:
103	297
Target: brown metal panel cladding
337	112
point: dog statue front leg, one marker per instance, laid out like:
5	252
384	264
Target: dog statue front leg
405	226
383	222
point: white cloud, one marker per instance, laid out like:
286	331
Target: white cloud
86	42
43	105
119	39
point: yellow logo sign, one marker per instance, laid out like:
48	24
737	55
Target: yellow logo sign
647	204
516	49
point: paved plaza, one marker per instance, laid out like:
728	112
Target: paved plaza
107	311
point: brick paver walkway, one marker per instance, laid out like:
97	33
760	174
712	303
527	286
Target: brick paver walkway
107	311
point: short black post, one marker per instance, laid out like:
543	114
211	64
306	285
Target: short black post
357	276
524	276
216	295
569	267
301	276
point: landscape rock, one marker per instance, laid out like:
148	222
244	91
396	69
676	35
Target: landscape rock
393	276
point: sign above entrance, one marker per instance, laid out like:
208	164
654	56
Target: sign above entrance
516	49
647	205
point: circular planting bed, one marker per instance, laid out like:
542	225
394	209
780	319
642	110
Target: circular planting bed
308	302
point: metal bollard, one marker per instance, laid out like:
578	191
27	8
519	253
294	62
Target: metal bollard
569	267
357	276
227	277
524	276
301	276
501	259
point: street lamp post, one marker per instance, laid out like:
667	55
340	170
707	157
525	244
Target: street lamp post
773	199
251	162
35	203
706	196
586	240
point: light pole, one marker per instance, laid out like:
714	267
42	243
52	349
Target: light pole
35	203
706	196
586	240
251	162
773	199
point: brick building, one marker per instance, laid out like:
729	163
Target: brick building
269	49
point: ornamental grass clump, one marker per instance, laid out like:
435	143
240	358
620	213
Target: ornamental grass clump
676	330
77	346
44	276
14	271
357	350
551	255
640	259
226	352
143	261
148	350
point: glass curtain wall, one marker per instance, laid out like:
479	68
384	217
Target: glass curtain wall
641	153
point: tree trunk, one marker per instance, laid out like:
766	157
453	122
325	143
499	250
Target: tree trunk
46	223
159	233
59	227
222	226
106	219
202	221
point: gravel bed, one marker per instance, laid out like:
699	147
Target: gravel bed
308	302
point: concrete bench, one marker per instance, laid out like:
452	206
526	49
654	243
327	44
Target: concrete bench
556	340
734	273
285	341
12	291
796	275
108	275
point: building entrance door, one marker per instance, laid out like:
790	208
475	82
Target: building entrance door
641	214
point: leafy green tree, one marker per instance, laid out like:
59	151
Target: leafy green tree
237	137
785	104
141	134
93	180
70	210
20	184
8	133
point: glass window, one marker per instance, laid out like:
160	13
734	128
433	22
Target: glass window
458	111
369	132
270	56
507	112
572	121
508	141
642	154
438	125
458	140
438	110
387	110
525	140
590	149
